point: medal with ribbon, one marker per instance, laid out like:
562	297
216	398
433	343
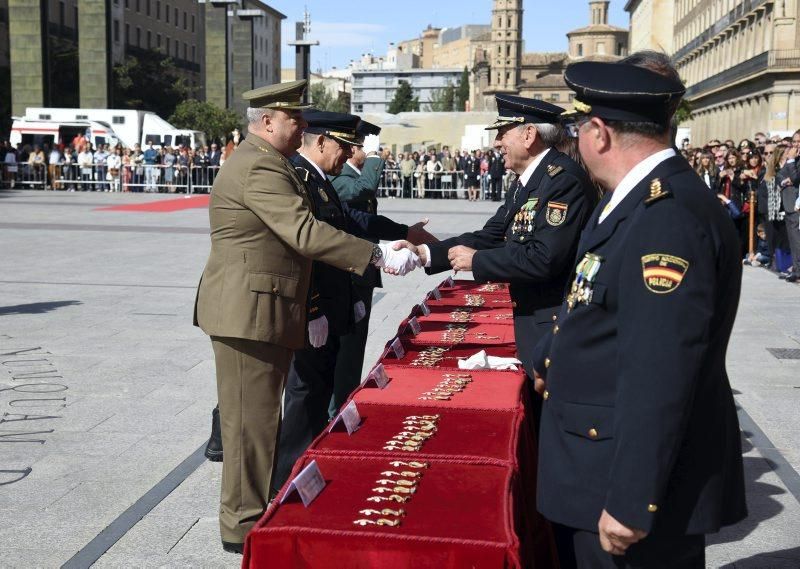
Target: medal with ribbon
585	274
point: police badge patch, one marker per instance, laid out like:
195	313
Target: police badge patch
323	195
556	213
663	273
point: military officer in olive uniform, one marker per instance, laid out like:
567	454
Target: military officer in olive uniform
639	447
333	304
530	241
251	299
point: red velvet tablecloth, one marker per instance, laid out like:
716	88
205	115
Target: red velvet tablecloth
473	506
491	390
459	516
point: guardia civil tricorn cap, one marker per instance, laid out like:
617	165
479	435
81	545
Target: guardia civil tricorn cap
622	92
519	110
282	96
340	126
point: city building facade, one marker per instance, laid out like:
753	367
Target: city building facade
50	64
740	60
373	90
651	25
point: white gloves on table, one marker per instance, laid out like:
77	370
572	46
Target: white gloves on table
359	311
483	361
318	331
399	262
372	143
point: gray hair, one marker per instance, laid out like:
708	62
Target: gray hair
550	134
254	115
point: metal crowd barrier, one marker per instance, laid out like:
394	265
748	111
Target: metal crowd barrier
137	177
422	184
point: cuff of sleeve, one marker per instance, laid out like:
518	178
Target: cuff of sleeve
632	512
426	250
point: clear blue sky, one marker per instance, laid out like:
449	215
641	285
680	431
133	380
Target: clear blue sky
346	29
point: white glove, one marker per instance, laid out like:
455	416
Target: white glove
318	331
359	311
372	143
402	262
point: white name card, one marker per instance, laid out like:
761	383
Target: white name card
424	308
436	293
350	417
308	484
449	282
397	348
378	376
414	324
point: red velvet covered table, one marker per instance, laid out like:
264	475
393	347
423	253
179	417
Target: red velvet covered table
491	390
474	506
459	516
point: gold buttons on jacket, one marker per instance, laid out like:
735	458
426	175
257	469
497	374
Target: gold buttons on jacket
547	362
546	395
351	269
275	290
513	304
555	317
505	238
555	329
592	433
652	508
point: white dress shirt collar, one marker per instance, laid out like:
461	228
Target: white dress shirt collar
526	175
358	170
633	177
314	164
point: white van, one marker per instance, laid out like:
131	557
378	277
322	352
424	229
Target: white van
42	132
131	126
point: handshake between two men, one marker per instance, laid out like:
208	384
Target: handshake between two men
405	255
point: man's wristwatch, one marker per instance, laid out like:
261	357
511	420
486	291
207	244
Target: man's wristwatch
377	255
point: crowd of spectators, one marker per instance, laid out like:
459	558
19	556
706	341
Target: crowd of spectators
432	173
79	166
757	182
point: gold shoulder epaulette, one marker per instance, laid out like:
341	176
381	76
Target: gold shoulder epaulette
657	192
264	149
553	170
303	172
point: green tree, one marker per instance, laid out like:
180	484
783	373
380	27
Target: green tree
149	82
322	99
404	99
684	112
443	100
207	117
462	92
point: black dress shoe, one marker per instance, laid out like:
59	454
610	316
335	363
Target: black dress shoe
792	278
233	547
214	446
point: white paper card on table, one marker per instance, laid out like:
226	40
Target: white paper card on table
309	483
424	308
449	282
414	324
377	375
398	349
436	293
350	417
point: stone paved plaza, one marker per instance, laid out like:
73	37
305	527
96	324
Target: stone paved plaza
106	387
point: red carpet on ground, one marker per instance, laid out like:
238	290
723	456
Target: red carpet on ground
186	202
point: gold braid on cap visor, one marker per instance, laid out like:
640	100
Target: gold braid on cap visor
511	119
582	107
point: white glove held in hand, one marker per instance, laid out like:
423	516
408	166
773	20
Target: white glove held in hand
359	311
318	331
399	262
372	143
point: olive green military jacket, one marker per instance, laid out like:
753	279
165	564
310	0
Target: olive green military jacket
263	239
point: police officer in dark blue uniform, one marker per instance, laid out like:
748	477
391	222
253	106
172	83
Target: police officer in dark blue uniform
327	144
639	447
530	241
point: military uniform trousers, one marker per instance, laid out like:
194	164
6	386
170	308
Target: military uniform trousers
250	379
351	353
305	403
